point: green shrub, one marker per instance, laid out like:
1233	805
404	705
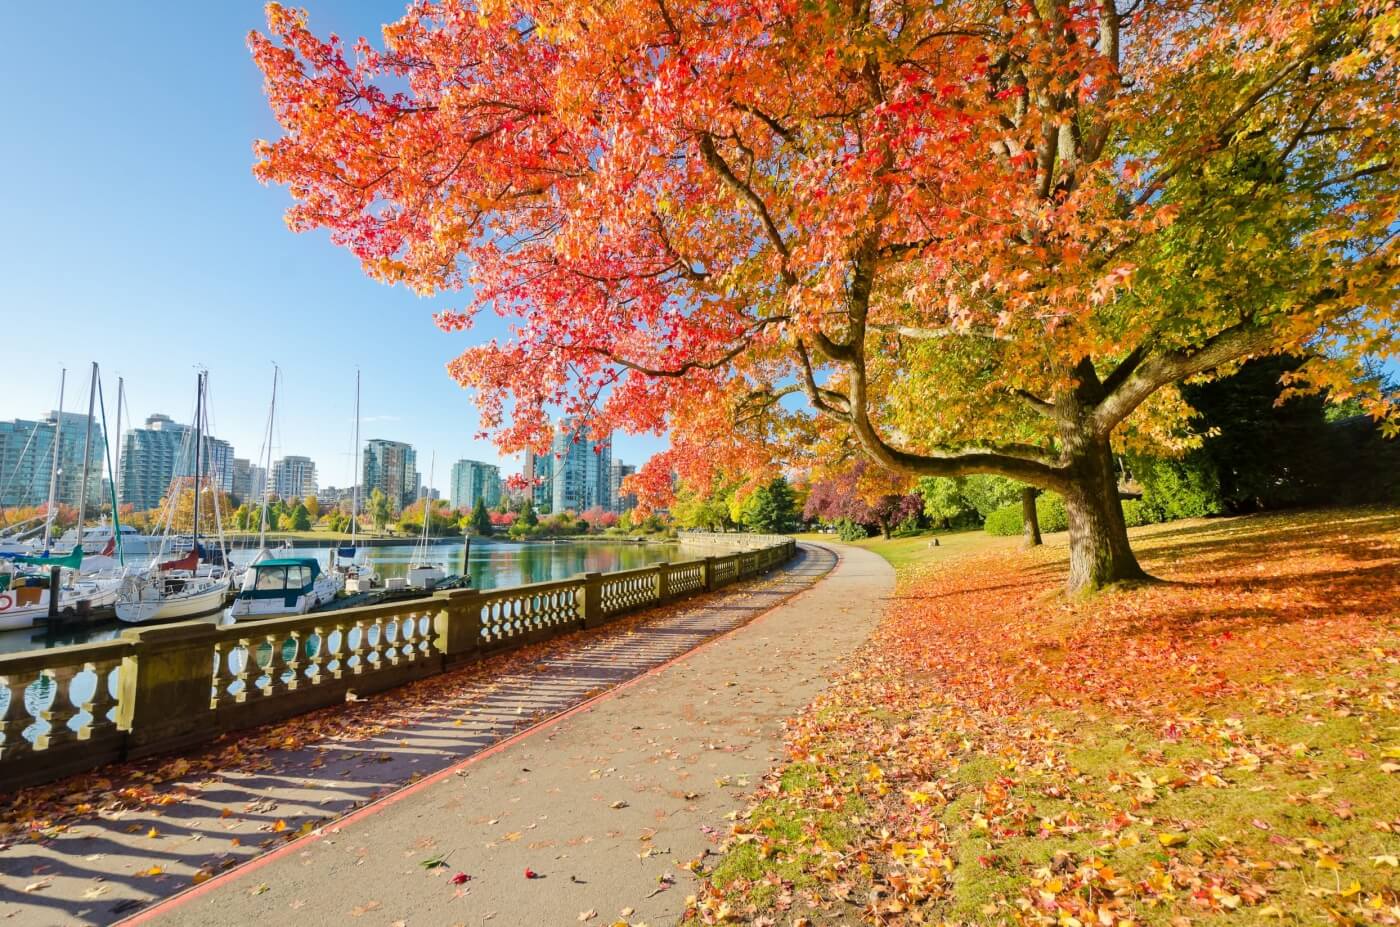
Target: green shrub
848	530
1184	488
1004	522
1049	509
1136	514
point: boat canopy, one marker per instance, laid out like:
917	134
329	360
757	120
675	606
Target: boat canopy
279	577
71	561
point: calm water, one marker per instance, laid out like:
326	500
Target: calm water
491	565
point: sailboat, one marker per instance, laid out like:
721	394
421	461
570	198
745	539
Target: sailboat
180	588
27	596
422	572
358	575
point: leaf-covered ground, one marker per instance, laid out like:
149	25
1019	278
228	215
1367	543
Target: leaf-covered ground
1220	748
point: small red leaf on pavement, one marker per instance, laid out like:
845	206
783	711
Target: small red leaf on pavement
462	878
531	874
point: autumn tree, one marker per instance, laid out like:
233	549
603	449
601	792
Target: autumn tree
379	508
977	236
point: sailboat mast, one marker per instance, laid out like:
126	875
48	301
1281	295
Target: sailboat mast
117	465
267	462
49	513
87	453
432	465
111	467
198	443
358	473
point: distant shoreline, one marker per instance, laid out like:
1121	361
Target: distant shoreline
331	540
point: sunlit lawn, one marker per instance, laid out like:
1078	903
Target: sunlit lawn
921	548
1219	748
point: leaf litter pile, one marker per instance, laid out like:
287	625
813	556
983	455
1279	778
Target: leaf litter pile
1219	748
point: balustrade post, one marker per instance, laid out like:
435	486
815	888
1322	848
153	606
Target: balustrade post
60	711
102	701
164	683
16	719
663	582
457	625
707	574
592	605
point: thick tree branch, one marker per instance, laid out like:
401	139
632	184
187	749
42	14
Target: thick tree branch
1156	371
726	174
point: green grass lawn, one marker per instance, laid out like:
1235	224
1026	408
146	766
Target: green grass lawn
903	553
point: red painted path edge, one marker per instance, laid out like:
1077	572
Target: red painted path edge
165	905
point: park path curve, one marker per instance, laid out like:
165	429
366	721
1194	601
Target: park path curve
602	804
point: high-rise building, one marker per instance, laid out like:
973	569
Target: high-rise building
581	470
392	468
293	477
152	457
257	484
617	472
473	480
26	460
242	485
539	479
218	463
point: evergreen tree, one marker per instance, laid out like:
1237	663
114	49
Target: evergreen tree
772	509
528	518
481	520
300	518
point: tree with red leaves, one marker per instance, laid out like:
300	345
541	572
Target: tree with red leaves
976	236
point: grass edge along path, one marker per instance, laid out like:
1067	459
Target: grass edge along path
1221	748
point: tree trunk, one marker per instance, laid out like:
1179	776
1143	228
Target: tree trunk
885	529
1099	552
1030	519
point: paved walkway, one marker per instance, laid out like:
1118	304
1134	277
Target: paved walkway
106	867
603	806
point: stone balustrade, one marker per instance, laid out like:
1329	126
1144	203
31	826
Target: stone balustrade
167	687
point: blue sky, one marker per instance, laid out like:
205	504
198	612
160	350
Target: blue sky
135	235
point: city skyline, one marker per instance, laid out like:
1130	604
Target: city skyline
148	456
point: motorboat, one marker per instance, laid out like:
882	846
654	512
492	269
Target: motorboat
284	586
101	539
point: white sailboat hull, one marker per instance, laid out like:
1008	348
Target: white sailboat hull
424	576
202	600
85	595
